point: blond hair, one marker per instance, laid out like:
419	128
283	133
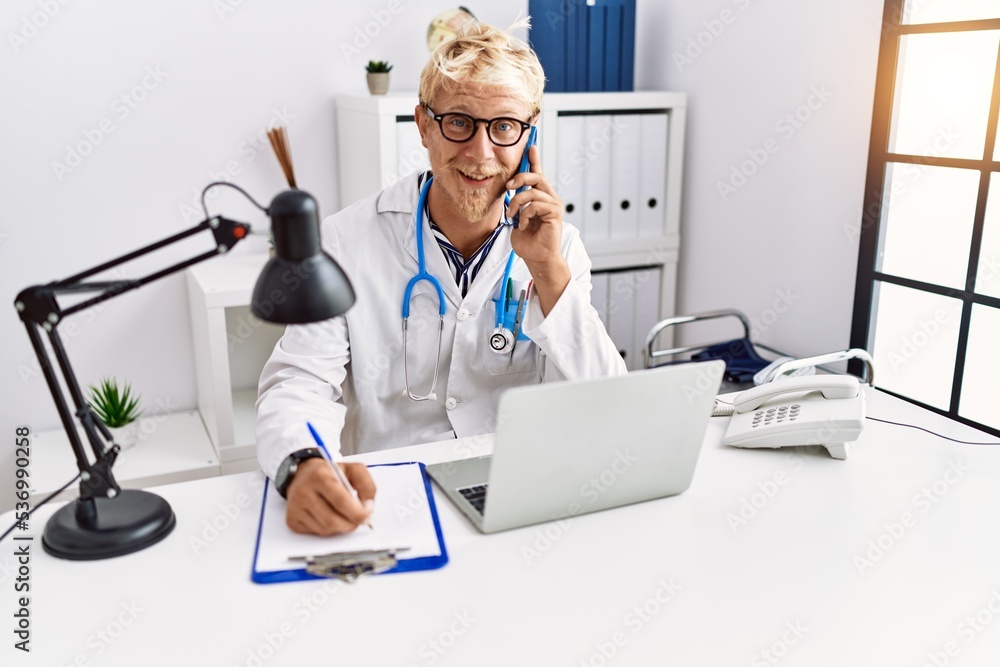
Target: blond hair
485	55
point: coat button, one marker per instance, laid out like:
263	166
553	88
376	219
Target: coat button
451	404
463	314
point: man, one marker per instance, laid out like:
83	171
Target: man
368	384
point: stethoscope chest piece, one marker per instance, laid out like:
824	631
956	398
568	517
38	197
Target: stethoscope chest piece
502	340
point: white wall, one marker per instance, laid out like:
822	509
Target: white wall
782	245
225	70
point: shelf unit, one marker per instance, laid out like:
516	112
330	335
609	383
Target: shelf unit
616	160
230	348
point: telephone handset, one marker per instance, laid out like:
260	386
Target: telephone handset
826	410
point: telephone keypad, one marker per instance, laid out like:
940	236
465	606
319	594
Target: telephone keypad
776	415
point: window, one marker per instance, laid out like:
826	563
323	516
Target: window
927	301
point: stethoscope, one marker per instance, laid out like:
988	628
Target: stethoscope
503	339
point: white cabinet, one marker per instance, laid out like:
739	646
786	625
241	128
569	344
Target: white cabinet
230	348
614	158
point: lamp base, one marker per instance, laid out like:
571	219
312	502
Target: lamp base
108	527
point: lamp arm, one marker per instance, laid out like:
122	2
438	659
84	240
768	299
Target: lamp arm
227	234
38	307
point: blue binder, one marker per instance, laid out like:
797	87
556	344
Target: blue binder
583	47
575	34
627	79
612	45
596	43
271	502
547	39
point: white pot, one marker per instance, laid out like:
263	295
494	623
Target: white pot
378	83
126	436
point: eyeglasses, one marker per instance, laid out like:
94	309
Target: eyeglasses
460	127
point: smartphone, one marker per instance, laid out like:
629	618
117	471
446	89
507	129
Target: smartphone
525	166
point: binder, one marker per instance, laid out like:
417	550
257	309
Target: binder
595	47
621	314
627	79
598	139
575	34
569	168
404	512
653	181
612	45
584	45
547	40
625	175
647	308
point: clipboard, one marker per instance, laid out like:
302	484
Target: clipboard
405	517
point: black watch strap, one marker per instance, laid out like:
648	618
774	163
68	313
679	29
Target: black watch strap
290	465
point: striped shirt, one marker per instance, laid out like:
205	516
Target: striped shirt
465	270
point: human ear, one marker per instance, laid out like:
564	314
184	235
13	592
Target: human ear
423	122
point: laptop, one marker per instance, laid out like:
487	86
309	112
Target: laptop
568	448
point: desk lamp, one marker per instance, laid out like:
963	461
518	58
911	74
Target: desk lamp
301	283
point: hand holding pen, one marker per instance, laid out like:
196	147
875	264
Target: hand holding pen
336	469
326	499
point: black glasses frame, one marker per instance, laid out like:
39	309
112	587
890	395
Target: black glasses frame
475	126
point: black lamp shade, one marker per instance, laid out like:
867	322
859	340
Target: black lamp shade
301	283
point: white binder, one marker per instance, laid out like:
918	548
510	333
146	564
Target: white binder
625	175
647	308
621	315
569	168
653	170
598	139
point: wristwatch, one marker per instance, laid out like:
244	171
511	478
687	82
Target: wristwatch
288	468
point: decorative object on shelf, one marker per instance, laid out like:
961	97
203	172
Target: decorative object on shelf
118	409
378	76
106	521
445	25
278	136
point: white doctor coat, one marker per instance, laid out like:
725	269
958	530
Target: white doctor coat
345	375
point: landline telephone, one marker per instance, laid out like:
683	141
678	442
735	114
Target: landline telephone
826	410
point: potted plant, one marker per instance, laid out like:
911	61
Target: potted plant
378	76
118	409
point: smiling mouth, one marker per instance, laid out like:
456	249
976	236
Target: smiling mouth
475	178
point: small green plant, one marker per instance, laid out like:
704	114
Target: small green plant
378	66
114	406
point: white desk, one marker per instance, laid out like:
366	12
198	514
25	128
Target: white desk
669	580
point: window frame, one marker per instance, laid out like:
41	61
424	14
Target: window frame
872	223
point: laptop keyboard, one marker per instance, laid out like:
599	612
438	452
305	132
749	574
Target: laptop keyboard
476	495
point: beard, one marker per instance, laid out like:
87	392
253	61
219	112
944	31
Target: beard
475	203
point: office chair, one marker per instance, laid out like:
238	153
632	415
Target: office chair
744	357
